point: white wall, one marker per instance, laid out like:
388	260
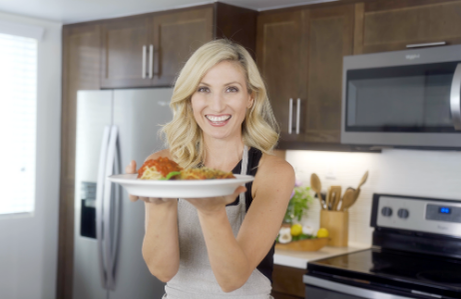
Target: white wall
434	174
28	244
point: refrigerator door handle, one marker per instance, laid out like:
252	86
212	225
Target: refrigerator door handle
455	101
116	220
100	204
108	226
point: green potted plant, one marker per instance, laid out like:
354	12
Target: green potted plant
300	201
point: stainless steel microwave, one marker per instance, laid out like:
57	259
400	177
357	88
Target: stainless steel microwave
407	98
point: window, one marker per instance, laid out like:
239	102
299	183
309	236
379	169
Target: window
18	109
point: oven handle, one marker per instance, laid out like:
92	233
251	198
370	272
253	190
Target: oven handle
346	289
455	103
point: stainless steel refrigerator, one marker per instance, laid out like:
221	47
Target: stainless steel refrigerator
113	128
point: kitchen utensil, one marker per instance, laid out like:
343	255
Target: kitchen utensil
335	196
363	180
348	199
328	198
317	187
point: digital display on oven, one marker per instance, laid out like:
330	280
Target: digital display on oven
444	210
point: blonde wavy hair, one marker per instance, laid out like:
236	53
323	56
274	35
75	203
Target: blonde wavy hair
183	135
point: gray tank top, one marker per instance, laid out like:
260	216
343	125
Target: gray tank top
195	278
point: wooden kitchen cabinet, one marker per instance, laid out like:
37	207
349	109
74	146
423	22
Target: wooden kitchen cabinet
150	49
122	52
278	55
390	25
175	36
299	53
287	282
80	70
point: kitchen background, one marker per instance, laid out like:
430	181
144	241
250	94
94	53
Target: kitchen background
70	57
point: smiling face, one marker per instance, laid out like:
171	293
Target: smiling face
220	102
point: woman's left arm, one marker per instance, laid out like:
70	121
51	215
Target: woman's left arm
234	259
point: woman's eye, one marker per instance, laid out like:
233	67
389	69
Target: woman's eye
203	89
232	89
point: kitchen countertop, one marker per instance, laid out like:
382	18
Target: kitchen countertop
299	259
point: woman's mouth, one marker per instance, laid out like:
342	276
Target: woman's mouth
218	121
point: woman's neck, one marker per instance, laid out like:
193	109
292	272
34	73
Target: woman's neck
223	155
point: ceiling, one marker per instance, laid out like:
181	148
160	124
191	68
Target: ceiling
74	11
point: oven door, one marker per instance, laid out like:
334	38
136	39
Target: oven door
405	98
317	288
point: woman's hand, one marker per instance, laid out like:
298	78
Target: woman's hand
212	204
131	169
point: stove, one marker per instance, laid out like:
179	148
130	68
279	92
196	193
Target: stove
416	253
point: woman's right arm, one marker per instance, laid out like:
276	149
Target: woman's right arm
160	248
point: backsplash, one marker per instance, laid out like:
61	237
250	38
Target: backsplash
404	172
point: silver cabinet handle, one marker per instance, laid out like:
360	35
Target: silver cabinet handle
99	205
298	115
455	103
426	45
144	48
151	61
290	116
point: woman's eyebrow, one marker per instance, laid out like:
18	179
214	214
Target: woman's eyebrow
233	82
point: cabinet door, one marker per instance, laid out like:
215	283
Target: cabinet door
278	53
329	37
176	36
287	282
122	52
389	25
81	70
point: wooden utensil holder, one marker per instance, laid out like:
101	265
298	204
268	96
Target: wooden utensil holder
337	224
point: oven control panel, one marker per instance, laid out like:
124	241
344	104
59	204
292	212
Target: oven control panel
431	216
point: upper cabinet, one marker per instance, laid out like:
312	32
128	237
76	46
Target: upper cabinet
389	25
150	49
299	53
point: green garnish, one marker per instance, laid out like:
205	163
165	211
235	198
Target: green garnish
170	175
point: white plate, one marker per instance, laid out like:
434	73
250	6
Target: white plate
179	188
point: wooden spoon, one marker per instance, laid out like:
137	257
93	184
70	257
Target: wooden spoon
362	181
348	199
335	197
317	187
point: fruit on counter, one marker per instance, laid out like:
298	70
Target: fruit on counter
296	230
322	233
308	230
284	236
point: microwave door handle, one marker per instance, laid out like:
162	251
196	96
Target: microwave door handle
99	206
290	116
455	102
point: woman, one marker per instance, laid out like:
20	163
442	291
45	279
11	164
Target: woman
216	247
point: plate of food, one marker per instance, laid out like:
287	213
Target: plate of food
163	178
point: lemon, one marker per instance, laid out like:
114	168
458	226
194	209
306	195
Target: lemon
322	233
296	229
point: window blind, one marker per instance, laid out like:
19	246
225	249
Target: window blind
18	109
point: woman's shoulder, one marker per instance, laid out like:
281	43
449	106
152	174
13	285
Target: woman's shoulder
162	153
272	167
274	175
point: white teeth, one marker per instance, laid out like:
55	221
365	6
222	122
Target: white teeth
218	118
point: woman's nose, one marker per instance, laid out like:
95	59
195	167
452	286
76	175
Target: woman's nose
217	102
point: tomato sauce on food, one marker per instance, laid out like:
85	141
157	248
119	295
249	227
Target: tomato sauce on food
162	165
